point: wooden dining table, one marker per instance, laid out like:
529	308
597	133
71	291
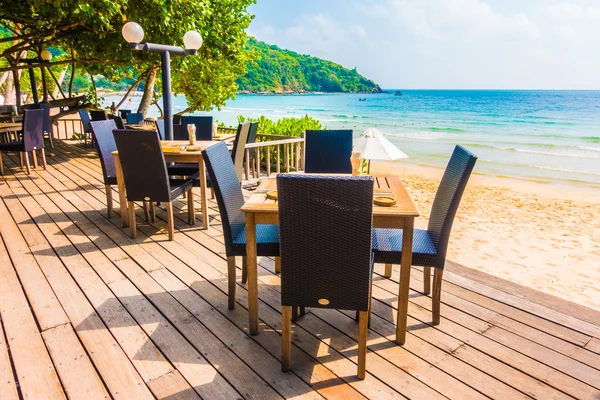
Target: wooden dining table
10	126
259	209
173	151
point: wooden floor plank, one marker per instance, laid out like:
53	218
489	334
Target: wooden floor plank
75	369
8	386
145	355
116	370
593	345
34	369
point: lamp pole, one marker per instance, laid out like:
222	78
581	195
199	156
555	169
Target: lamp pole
134	34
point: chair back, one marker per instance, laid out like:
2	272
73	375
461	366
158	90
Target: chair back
33	132
239	148
176	119
98	115
160	127
47	123
328	151
85	120
144	167
117	120
252	136
102	132
135	118
325	225
123	113
447	199
228	191
203	127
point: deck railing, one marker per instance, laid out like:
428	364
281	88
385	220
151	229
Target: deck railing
278	153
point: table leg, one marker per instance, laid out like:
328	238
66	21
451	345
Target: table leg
204	205
121	189
252	273
405	267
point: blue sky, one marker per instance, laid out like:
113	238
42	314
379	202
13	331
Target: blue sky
479	44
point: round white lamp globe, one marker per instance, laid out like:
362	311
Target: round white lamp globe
132	32
46	55
192	40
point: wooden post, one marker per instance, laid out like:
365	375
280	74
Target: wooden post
286	337
278	158
268	161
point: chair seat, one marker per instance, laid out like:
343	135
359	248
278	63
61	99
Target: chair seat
18	146
267	241
183	169
387	247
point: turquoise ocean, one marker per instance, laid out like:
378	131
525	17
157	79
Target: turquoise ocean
544	136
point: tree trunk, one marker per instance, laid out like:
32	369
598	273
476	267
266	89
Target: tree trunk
8	89
61	78
3	77
148	91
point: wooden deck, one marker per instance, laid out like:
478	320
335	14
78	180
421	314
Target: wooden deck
87	312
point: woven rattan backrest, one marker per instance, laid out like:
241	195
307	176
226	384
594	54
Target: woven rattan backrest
123	113
118	121
160	127
239	149
325	238
328	151
33	133
228	192
135	118
203	126
47	124
144	167
85	120
102	131
98	115
447	199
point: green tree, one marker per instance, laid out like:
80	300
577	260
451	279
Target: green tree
90	33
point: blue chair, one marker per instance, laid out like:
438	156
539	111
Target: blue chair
123	113
47	125
230	200
102	132
328	151
429	246
118	121
203	125
98	115
325	226
160	127
135	118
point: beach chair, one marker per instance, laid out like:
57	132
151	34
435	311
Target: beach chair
328	151
429	246
230	199
325	227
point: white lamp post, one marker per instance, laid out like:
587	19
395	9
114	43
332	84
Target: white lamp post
133	34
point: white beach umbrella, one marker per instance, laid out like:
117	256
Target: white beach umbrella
374	146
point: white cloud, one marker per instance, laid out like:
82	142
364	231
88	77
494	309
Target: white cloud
568	10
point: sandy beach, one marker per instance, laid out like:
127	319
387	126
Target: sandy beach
537	235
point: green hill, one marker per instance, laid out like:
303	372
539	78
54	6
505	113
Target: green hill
279	70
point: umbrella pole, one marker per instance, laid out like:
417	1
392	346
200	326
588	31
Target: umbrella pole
369	168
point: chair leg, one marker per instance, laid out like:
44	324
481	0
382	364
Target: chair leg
277	265
363	332
231	278
426	280
44	164
286	337
50	140
191	210
170	221
131	211
244	270
437	294
247	165
146	212
34	156
27	163
21	159
1	165
109	201
388	271
212	193
152	213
